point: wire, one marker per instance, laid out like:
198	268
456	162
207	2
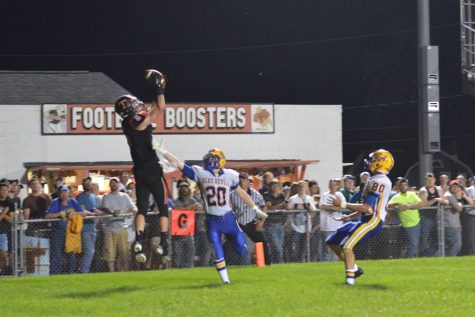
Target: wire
232	48
410	139
355	107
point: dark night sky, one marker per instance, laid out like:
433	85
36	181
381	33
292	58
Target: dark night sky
361	54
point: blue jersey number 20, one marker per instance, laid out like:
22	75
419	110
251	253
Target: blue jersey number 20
216	196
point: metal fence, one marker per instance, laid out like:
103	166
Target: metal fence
39	246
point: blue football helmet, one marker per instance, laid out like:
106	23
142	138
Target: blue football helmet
214	160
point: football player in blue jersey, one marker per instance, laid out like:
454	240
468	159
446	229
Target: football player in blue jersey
216	183
372	211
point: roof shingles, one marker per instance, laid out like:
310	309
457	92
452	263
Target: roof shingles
39	87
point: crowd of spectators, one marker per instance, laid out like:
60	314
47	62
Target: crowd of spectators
300	218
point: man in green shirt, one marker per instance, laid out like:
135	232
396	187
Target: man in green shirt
406	203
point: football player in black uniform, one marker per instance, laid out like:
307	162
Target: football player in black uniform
137	127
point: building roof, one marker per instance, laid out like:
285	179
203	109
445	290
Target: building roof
39	87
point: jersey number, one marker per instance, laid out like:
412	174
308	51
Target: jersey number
377	188
216	196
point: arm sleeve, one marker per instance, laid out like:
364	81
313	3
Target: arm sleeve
311	203
260	200
452	200
11	206
234	181
190	172
416	198
371	199
129	202
291	203
53	207
76	205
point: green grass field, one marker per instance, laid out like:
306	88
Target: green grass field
419	287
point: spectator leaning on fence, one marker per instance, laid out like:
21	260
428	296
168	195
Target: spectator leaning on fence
328	224
37	202
453	228
184	246
14	191
467	219
406	203
116	235
274	225
462	180
247	218
359	189
430	192
444	183
63	208
7	213
266	179
348	189
298	221
88	202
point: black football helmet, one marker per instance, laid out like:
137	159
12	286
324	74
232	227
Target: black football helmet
128	105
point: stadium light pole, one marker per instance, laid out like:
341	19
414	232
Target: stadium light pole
428	91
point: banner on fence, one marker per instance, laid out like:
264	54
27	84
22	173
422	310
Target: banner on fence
182	223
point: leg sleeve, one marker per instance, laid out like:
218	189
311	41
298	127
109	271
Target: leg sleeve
158	191
143	194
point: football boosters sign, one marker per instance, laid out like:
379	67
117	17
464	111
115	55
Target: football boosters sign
65	119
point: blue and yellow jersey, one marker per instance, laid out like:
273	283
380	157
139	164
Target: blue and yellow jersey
376	194
216	189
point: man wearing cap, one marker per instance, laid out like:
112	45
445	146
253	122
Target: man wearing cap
184	246
429	235
453	228
62	208
328	215
88	202
116	244
247	218
15	188
468	221
359	190
266	180
7	211
407	204
348	189
274	226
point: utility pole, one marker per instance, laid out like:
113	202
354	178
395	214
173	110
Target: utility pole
428	91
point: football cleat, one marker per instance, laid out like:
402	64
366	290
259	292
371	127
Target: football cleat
359	272
139	255
162	249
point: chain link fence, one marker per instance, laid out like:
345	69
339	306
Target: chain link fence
42	246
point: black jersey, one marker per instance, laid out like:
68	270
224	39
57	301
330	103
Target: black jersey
140	142
431	213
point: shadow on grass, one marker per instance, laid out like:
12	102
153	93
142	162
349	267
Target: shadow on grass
378	287
102	293
201	286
